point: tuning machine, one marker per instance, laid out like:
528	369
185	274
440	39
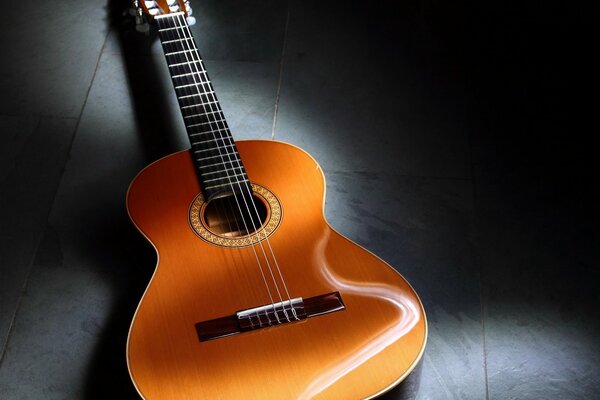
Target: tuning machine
141	20
141	24
182	5
188	9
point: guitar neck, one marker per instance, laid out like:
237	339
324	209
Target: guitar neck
218	164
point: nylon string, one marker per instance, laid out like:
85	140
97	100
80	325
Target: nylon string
188	48
181	17
219	149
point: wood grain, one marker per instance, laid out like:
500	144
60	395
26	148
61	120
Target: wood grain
356	353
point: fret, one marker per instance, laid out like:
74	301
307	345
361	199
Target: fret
196	80
218	155
181	52
224	127
197	105
226	177
180	57
213	112
215	148
184	74
171	15
192	100
216	121
206	123
209	112
188	85
185	63
218	130
204	113
176	40
193	109
180	65
163	22
221	164
179	48
211	107
193	116
199	133
189	95
188	74
199	85
179	43
223	170
170	29
210	140
227	184
201	114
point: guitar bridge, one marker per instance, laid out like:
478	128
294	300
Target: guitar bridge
269	315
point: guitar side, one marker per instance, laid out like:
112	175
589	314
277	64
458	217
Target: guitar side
359	352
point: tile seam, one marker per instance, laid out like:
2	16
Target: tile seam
281	65
34	254
479	262
24	285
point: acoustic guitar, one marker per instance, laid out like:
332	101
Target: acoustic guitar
254	295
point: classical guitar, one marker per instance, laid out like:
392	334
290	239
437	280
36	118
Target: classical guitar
254	295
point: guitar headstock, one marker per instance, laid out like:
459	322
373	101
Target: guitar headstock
146	10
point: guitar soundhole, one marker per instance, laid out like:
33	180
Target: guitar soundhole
235	215
224	222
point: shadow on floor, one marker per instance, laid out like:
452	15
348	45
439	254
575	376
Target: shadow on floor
108	375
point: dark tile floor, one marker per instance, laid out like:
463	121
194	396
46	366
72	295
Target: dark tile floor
462	123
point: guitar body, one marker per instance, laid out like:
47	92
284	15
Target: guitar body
356	353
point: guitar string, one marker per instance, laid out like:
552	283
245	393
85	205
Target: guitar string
223	209
229	178
253	204
181	19
196	83
181	25
220	154
225	212
238	229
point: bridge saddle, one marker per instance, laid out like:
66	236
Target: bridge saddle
268	315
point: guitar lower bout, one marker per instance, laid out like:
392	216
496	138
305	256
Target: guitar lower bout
216	320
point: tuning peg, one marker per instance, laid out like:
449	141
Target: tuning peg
190	20
141	25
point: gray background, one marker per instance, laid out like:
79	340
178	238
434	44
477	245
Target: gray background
453	139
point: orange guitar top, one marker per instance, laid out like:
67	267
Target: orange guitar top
358	352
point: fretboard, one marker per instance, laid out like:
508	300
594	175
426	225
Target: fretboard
217	161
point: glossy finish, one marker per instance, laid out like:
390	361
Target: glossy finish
357	353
